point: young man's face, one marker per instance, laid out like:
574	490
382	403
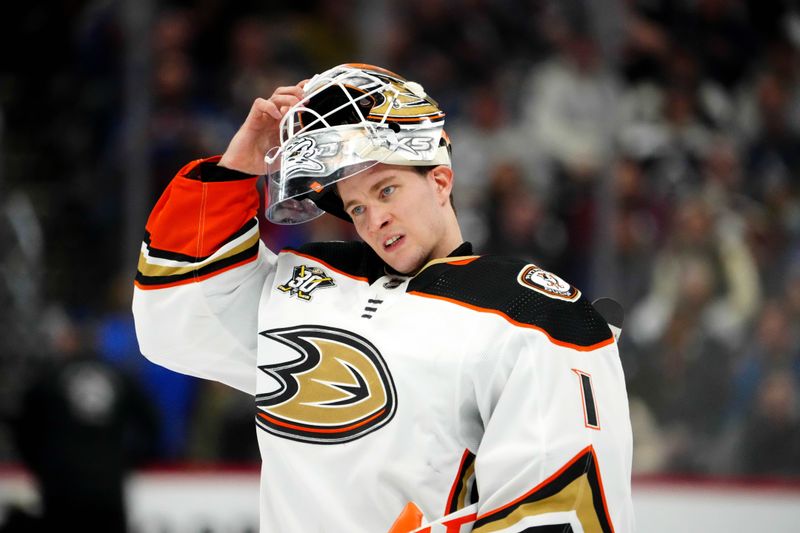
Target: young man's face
404	216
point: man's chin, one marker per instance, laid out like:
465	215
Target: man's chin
399	266
407	268
402	269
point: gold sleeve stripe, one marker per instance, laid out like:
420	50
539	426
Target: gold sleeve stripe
153	270
172	276
575	487
462	485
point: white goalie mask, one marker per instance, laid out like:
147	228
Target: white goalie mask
351	118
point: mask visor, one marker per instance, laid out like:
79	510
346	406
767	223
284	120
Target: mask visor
311	163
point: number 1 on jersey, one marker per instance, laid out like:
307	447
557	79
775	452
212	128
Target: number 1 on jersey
590	418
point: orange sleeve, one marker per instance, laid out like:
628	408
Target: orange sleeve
204	224
202	208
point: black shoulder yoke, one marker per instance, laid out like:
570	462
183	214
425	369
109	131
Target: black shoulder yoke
353	258
497	284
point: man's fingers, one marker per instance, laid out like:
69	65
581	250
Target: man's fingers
281	100
262	107
275	107
296	90
284	100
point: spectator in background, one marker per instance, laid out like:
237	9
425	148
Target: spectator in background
638	230
569	105
82	426
263	53
770	443
792	294
774	155
519	221
703	293
173	394
688	366
720	34
224	431
326	35
183	119
570	108
697	237
773	348
489	143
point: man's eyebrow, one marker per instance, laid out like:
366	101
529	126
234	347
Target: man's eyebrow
381	183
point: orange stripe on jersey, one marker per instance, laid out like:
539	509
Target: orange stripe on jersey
463	261
410	518
195	218
573	346
312	258
321	430
456	261
459	484
454	525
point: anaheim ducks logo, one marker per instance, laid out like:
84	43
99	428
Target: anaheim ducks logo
547	283
406	103
339	388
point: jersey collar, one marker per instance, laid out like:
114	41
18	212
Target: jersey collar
462	253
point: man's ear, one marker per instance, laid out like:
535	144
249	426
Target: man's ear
442	178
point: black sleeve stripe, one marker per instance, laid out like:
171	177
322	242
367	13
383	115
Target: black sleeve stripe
464	490
152	269
209	171
490	284
554	528
175	256
575	487
165	280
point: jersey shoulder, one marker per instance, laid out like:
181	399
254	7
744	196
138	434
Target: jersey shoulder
352	258
522	293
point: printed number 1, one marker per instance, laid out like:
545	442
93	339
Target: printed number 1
590	417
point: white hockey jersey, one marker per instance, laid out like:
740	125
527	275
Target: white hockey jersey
483	389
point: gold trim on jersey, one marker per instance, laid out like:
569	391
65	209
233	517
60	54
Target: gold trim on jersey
151	270
463	259
577	487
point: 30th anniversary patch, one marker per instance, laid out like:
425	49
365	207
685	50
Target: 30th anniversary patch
305	280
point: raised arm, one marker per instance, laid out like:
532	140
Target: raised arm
202	263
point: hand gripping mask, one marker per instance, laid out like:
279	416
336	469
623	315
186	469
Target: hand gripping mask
351	118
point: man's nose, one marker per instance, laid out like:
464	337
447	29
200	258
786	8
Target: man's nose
379	217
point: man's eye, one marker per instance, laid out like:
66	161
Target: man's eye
387	190
357	210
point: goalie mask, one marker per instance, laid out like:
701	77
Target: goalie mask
351	118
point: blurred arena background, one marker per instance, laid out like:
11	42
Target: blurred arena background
647	150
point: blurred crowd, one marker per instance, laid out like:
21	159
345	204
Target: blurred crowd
646	150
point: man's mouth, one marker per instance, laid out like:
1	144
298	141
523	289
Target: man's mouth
392	242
